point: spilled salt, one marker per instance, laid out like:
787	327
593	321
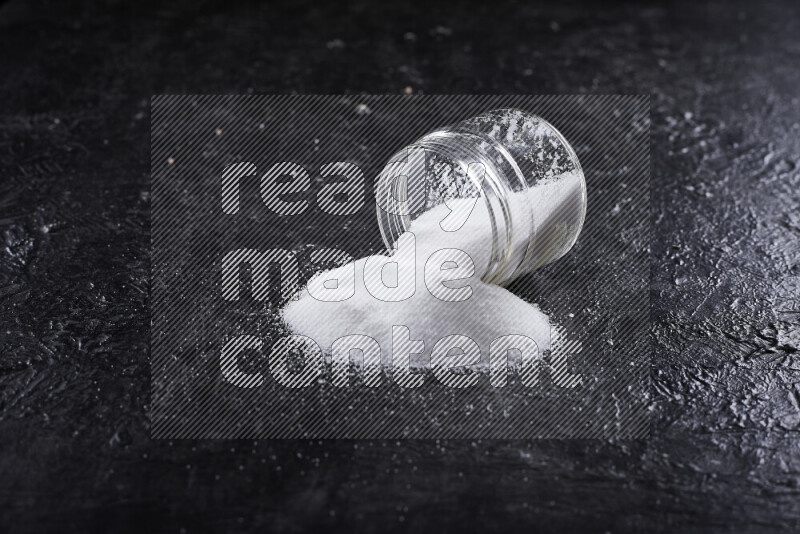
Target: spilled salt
488	313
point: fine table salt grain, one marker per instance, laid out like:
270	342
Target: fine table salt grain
489	312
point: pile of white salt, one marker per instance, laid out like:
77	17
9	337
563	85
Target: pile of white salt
489	312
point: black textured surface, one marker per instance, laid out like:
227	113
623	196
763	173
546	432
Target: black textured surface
74	374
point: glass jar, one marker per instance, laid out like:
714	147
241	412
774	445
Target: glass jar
516	163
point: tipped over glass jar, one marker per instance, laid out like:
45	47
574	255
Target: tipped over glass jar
522	170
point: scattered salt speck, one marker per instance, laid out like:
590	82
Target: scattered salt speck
218	132
363	109
443	30
170	161
335	44
688	115
408	90
616	209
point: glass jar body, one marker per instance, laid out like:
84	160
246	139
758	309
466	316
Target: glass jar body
518	166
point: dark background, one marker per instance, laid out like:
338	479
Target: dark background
75	452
